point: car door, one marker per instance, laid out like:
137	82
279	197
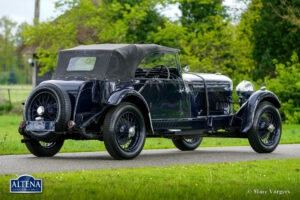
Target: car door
166	97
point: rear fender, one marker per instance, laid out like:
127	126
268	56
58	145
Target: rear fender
130	95
248	109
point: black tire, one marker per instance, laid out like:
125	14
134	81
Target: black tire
265	133
62	112
46	150
186	144
116	131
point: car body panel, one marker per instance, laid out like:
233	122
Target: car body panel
247	110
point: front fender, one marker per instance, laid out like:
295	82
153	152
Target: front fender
247	111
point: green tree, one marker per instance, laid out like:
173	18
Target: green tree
195	13
94	21
287	86
7	46
23	70
208	44
242	43
138	32
13	68
274	37
289	12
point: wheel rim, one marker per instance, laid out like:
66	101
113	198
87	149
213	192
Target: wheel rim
128	131
191	140
48	102
47	145
268	128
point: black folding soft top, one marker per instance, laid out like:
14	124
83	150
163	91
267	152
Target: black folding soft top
113	61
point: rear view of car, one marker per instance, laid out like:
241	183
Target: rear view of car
123	93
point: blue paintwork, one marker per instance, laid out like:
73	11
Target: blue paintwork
247	111
167	103
67	85
118	96
165	98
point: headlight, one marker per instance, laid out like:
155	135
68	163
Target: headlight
244	89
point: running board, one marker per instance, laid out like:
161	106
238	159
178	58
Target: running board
205	133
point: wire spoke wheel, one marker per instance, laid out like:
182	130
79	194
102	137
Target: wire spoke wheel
268	128
128	131
265	134
124	131
48	102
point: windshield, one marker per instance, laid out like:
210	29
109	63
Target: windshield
154	59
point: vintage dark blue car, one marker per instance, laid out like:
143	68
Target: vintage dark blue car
123	93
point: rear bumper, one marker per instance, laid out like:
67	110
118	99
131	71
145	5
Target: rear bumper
78	132
39	130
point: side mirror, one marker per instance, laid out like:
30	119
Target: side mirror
186	69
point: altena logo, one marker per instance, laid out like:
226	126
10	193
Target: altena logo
26	184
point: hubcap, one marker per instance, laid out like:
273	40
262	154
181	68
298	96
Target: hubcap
268	128
40	110
131	131
271	128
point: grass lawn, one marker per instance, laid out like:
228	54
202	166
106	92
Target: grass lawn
271	179
18	93
10	139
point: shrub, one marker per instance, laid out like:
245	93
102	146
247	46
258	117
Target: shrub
286	86
5	107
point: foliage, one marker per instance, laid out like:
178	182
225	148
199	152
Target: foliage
195	11
274	37
6	44
204	37
289	12
12	67
267	30
242	42
287	86
206	47
93	22
207	40
4	76
5	107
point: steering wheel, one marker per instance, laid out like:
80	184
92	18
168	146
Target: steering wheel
161	67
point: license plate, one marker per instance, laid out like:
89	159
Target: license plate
40	126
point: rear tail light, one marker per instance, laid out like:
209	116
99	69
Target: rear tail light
71	124
22	124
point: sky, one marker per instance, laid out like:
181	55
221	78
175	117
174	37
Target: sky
23	10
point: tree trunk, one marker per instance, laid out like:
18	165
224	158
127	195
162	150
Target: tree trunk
36	12
35	21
